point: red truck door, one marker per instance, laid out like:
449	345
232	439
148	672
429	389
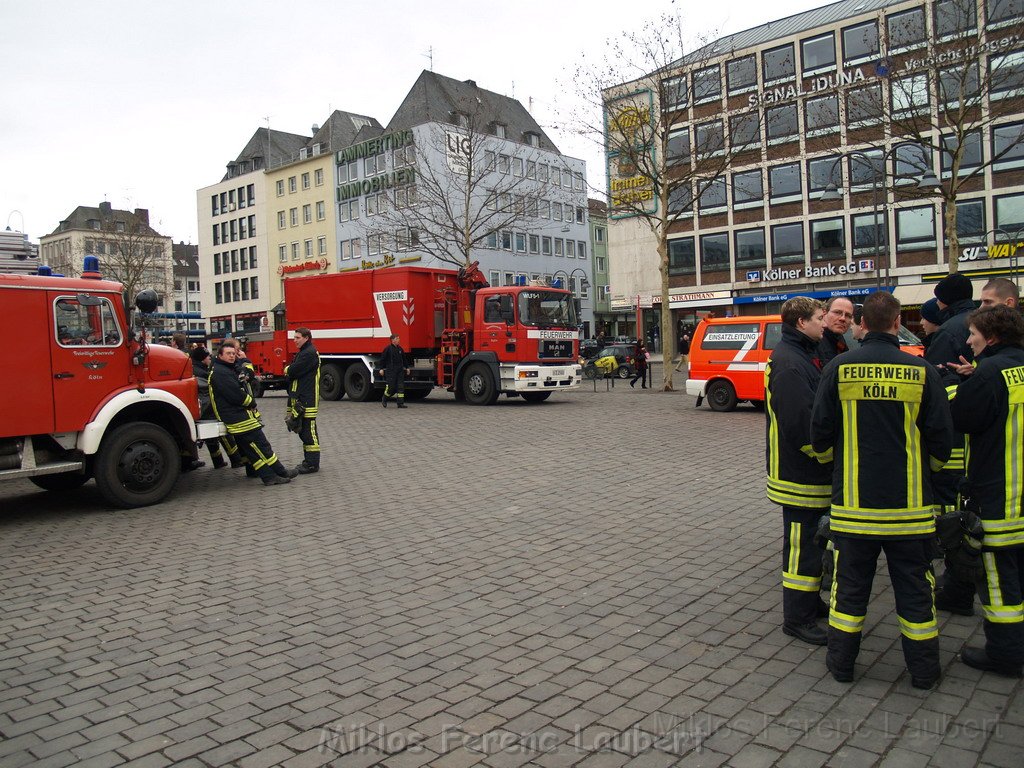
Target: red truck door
495	329
25	391
89	354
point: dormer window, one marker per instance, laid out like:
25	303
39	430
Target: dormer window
499	130
119	226
533	139
93	223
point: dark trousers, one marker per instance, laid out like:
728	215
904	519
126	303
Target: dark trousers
641	376
310	443
261	457
394	389
913	586
1000	591
801	565
954	587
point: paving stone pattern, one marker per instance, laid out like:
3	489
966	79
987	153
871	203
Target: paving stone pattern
588	582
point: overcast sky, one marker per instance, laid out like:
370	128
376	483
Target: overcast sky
142	103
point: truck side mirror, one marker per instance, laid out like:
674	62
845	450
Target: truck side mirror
508	313
146	301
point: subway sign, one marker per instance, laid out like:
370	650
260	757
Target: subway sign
995	251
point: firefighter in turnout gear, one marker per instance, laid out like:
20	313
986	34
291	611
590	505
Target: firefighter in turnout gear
392	368
304	398
883	415
236	408
989	408
796	480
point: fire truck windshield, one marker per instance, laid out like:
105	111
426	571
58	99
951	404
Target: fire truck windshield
546	309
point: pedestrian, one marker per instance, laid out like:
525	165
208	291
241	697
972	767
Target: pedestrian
931	321
999	290
180	342
234	406
948	345
883	416
304	397
201	370
797	481
989	407
838	317
684	352
392	368
640	359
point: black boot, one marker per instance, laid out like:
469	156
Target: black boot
979	659
401	404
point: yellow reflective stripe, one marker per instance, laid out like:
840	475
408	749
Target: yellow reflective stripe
995	592
923	630
822	457
832	589
801	583
794	547
1014	471
851	493
936	464
951	391
884	514
1004	614
789	485
773	426
315	447
795	500
311	413
915	492
844	621
883	529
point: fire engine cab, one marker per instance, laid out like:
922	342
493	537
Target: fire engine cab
87	397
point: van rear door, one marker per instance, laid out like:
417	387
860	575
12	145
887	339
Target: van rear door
26	389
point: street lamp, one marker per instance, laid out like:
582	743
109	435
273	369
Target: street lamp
584	285
927	182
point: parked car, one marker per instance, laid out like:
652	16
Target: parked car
589	349
624	354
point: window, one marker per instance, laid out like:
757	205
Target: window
784	183
79	325
868	232
999	12
581	250
318	177
499	130
280	187
281	221
226	261
787	243
348	211
674	94
295	251
545	246
1006	74
864	106
234	260
681	256
534	243
865	169
915	228
517	166
492	239
707	84
778	64
860	42
506	241
741	74
236	294
1010	212
556	211
542	172
912	161
254	287
712	195
828	239
970	220
293	216
558	246
291	183
533	139
819	53
909	94
218	297
710	139
570	249
750	248
714	252
970	156
504	163
243	257
245	289
374	165
520	242
282	253
577	181
906	29
305	181
321	210
744	130
600	264
747	189
598	234
544	208
252	225
307	213
781	123
348	172
1008	146
954	18
822	115
957	84
822	172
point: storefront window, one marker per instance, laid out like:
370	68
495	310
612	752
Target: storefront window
915	228
781	123
741	74
747	189
779	64
787	243
822	114
828	239
784	183
750	252
906	29
860	42
714	252
681	256
818	53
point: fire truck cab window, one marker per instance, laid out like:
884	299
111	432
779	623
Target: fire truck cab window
79	325
492	309
545	309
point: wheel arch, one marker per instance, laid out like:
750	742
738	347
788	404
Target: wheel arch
153	405
490	359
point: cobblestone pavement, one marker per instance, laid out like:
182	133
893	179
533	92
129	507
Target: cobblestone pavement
592	581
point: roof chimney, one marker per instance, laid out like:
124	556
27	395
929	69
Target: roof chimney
142	214
471	83
105	208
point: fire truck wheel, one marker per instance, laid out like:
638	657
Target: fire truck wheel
357	383
331	382
62	481
137	465
478	385
536	397
721	396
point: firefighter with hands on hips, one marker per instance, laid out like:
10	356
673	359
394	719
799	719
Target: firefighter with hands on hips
235	406
989	408
882	415
304	398
796	480
838	317
392	368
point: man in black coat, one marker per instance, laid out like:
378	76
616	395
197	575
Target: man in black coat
838	316
392	368
304	398
949	343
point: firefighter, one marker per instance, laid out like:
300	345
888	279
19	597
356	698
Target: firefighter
989	408
882	414
201	370
796	480
838	317
949	344
304	398
234	406
392	368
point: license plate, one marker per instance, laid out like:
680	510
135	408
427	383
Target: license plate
558	373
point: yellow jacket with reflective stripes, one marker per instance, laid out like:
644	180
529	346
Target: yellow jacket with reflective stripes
989	407
885	416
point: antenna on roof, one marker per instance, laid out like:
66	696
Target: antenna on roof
430	56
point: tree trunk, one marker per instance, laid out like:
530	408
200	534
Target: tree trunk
949	224
668	334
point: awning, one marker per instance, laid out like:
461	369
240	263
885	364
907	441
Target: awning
914	295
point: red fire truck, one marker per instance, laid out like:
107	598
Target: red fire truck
474	340
85	396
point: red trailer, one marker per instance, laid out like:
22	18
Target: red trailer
458	332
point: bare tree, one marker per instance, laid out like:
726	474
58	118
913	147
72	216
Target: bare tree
132	253
659	163
949	94
469	190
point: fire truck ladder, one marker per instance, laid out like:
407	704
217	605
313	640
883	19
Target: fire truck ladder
453	342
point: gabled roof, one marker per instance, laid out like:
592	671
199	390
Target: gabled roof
274	147
342	129
434	98
106	215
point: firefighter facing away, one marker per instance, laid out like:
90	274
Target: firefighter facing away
304	398
235	406
799	483
989	408
392	368
883	415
